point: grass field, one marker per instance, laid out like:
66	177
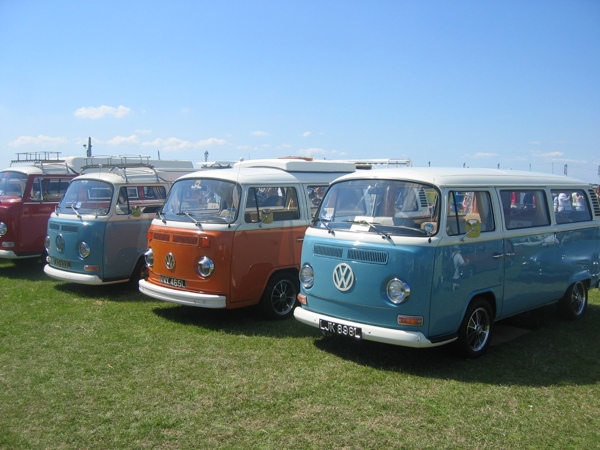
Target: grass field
107	368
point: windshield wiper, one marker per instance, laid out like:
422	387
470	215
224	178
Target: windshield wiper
162	217
326	225
192	218
75	210
373	225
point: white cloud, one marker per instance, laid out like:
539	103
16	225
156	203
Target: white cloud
38	141
123	140
259	133
307	134
91	112
484	155
176	144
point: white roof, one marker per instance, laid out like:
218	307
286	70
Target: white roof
277	171
453	176
299	165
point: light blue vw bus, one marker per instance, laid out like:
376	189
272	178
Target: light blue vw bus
97	234
425	257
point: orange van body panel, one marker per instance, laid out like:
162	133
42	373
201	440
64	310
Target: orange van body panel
257	254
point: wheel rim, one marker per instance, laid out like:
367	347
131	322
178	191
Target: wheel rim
578	298
478	329
283	297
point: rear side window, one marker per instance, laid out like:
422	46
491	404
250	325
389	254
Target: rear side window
570	206
315	195
148	198
282	201
467	205
524	208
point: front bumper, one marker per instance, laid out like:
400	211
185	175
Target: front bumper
182	297
403	338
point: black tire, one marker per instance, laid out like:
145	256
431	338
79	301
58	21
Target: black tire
574	303
475	331
279	299
140	272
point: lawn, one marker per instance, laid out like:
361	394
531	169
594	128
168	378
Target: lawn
106	367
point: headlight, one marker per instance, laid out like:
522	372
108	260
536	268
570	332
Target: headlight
47	243
307	276
397	291
3	228
84	250
149	257
205	267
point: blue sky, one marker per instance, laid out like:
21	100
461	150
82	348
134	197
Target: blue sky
514	83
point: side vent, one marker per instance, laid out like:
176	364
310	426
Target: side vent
332	252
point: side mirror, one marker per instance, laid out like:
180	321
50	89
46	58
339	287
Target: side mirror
266	216
473	228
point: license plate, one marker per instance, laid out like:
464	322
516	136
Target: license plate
339	329
175	282
61	263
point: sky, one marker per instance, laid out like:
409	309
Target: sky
513	84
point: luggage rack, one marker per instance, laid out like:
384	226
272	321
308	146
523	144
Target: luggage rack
48	162
121	165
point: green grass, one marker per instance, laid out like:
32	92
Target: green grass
87	367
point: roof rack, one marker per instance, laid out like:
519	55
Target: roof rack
37	157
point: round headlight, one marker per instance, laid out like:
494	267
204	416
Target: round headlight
307	276
149	257
205	267
397	291
84	250
47	243
3	228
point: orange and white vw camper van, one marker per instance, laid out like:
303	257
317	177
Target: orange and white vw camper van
231	238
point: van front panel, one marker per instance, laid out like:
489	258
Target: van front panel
65	236
177	251
351	278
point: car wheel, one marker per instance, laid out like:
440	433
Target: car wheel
279	298
475	331
574	303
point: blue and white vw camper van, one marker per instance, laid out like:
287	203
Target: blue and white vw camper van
97	234
425	257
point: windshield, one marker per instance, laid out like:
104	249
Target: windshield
12	184
202	200
386	207
87	197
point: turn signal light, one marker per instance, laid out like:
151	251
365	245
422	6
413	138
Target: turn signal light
415	321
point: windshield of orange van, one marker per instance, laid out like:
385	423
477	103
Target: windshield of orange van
202	200
386	207
87	197
12	184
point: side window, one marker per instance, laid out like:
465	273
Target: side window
148	198
282	201
524	208
467	205
315	195
570	206
55	188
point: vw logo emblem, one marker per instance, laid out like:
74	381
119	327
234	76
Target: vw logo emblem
343	277
60	242
170	261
